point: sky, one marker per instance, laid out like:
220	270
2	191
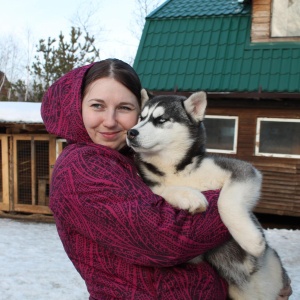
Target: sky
25	112
34	265
42	19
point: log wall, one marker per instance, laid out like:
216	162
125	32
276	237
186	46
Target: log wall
281	176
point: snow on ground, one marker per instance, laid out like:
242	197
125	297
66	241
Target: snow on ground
34	266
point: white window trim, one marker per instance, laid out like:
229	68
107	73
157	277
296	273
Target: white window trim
58	146
257	141
235	138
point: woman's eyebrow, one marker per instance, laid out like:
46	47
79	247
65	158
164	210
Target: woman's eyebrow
126	103
96	99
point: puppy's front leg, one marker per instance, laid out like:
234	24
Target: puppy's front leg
183	197
237	198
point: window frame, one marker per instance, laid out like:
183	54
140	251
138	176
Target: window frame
59	146
235	138
257	137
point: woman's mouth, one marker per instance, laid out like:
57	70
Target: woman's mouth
110	135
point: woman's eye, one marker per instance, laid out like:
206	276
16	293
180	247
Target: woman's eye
127	108
97	106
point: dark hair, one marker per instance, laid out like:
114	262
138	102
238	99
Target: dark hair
117	69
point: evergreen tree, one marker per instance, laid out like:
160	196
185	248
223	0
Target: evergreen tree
56	57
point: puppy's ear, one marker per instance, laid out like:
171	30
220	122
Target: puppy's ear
195	105
145	96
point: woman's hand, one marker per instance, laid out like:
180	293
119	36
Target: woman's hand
285	292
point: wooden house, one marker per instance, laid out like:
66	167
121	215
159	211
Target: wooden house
246	56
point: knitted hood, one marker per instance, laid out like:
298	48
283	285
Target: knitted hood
61	107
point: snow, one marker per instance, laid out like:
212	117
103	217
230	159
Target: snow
34	265
20	112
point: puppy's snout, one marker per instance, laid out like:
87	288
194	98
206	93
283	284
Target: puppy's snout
132	133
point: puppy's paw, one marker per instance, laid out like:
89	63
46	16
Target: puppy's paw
196	202
188	199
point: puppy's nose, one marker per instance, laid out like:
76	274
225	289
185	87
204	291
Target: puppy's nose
132	133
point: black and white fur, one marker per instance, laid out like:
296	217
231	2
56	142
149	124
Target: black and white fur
169	142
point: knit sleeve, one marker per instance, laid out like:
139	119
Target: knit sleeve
106	201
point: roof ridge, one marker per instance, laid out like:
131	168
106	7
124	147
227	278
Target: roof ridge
198	8
158	8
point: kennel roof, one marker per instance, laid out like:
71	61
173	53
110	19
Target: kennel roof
189	45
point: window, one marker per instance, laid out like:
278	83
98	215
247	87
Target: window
285	18
221	134
278	137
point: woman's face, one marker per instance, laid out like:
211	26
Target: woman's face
109	109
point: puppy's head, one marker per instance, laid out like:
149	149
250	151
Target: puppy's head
168	122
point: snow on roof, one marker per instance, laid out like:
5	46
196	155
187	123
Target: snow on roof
20	112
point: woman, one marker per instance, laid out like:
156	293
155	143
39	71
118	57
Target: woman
125	242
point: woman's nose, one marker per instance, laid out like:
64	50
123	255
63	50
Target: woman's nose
109	118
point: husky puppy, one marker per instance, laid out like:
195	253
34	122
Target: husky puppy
169	142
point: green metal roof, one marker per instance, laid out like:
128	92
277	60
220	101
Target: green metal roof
205	44
194	8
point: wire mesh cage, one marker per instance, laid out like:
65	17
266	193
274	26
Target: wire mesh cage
32	171
26	164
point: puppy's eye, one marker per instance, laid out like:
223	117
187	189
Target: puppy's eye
161	120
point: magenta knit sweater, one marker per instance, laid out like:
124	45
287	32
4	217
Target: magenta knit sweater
125	242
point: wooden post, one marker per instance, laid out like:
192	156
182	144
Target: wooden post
33	175
52	155
5	174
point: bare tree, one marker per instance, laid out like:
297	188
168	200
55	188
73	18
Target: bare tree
2	80
142	9
29	55
87	20
11	62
